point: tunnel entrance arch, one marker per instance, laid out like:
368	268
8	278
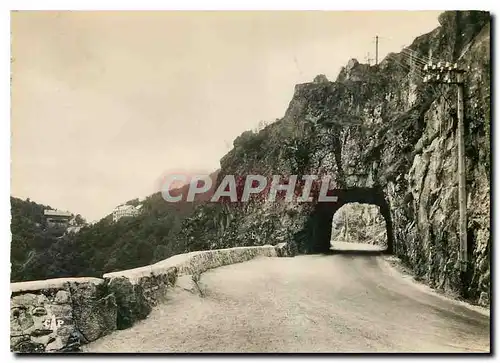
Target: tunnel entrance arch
315	238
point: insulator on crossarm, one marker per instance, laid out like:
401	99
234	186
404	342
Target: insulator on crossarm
439	64
455	66
426	67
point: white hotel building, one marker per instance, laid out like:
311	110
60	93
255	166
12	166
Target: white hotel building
125	210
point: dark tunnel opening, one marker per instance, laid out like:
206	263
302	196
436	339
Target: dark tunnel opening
316	238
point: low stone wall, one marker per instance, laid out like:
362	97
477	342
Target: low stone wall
59	315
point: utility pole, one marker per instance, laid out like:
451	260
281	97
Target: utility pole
368	59
445	73
376	50
462	192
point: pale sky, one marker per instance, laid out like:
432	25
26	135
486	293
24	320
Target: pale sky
104	103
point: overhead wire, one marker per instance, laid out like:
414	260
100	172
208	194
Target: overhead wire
408	68
415	55
411	53
414	67
411	56
434	87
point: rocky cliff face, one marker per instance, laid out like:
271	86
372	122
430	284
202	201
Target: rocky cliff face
387	139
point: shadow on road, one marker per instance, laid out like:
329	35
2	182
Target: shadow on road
356	252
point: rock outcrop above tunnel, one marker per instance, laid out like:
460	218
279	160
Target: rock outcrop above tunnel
381	133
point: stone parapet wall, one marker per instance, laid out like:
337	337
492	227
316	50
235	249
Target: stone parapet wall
59	315
196	262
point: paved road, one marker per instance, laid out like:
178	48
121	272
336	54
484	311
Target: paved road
343	302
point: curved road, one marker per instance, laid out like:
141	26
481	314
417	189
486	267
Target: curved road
345	302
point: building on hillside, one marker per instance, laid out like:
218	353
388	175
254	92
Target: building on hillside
57	217
57	220
125	210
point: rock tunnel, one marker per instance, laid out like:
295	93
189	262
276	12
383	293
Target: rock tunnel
315	238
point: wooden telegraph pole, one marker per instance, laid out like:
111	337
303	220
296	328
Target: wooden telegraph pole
445	73
462	192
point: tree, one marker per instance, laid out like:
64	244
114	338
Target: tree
80	220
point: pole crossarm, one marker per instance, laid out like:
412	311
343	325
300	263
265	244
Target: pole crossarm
443	73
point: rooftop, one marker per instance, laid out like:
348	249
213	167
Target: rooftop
55	212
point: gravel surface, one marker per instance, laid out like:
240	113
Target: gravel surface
343	302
